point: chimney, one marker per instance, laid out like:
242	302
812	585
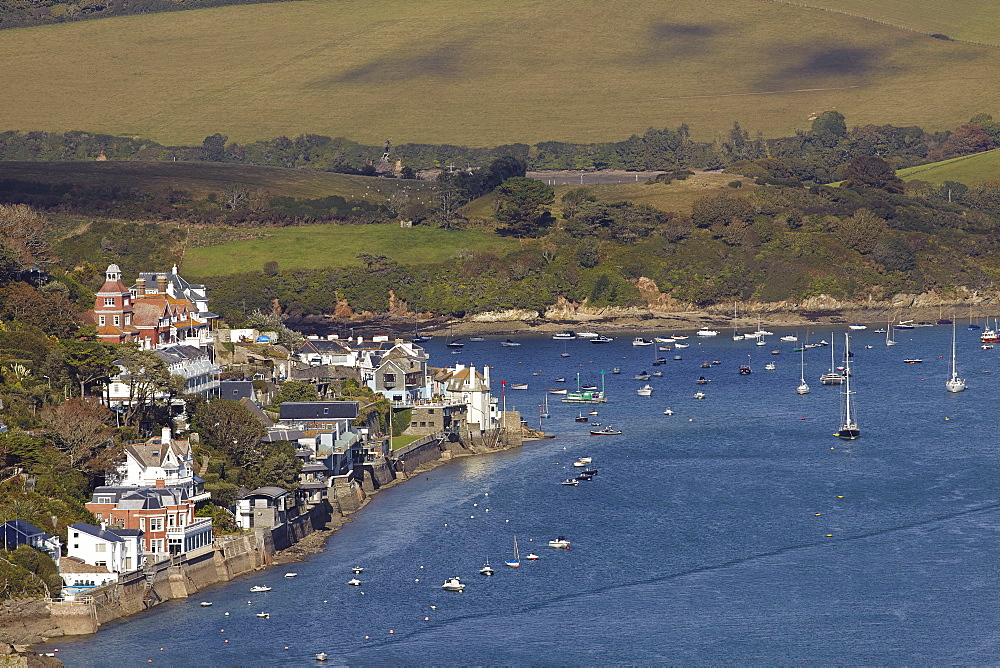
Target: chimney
161	283
160	483
165	436
140	287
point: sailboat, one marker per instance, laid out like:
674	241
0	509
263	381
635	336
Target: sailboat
954	384
849	427
516	561
545	409
803	388
453	342
736	335
888	334
832	377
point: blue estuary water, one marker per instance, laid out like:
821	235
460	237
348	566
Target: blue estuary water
736	531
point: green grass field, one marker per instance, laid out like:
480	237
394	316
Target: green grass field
200	179
337	246
969	169
482	73
971	20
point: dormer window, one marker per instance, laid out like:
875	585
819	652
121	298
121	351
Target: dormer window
109	301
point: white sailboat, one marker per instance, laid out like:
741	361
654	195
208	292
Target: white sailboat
736	335
849	426
832	377
803	388
889	341
954	384
516	561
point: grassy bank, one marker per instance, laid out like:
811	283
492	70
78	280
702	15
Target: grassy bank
968	169
448	71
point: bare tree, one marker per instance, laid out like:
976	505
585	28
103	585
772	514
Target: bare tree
79	428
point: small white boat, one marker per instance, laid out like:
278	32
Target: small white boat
565	335
682	345
532	556
601	339
264	615
291	575
559	543
586	335
579	464
256	588
477	339
770	366
668	411
518	386
570	482
857	326
645	390
789	338
699	395
664	339
558	391
453	584
606	431
707	332
354	582
205	604
321	656
486	569
357	570
641	342
508	343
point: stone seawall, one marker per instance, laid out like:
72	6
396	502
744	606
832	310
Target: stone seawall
32	621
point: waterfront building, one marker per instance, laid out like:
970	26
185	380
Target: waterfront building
159	462
23	532
266	507
117	550
466	385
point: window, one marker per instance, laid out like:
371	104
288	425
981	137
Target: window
128	563
109	301
128	318
104	499
142	524
389	377
100	547
76	534
103	320
430	411
156	524
118	320
170	520
101	563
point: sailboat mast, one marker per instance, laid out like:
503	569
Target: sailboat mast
954	374
849	422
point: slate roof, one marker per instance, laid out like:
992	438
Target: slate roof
270	491
319	410
96	532
236	389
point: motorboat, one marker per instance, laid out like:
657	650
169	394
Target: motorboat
677	358
258	588
486	569
586	335
508	343
668	411
682	345
657	374
716	362
664	339
581	418
699	395
532	557
605	431
585	476
559	543
913	360
703	381
745	370
321	656
680	337
205	604
579	463
591	412
791	338
518	386
354	582
663	348
856	326
455	344
706	365
590	472
645	391
601	339
453	584
904	324
571	482
659	361
770	366
642	375
565	335
639	341
291	575
588	388
264	615
357	570
616	371
775	352
707	332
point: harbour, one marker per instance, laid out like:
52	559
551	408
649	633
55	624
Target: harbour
737	529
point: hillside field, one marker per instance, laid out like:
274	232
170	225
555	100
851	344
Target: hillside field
316	246
478	73
201	178
969	169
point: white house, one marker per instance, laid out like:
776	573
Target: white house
317	352
462	384
160	462
118	550
200	373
